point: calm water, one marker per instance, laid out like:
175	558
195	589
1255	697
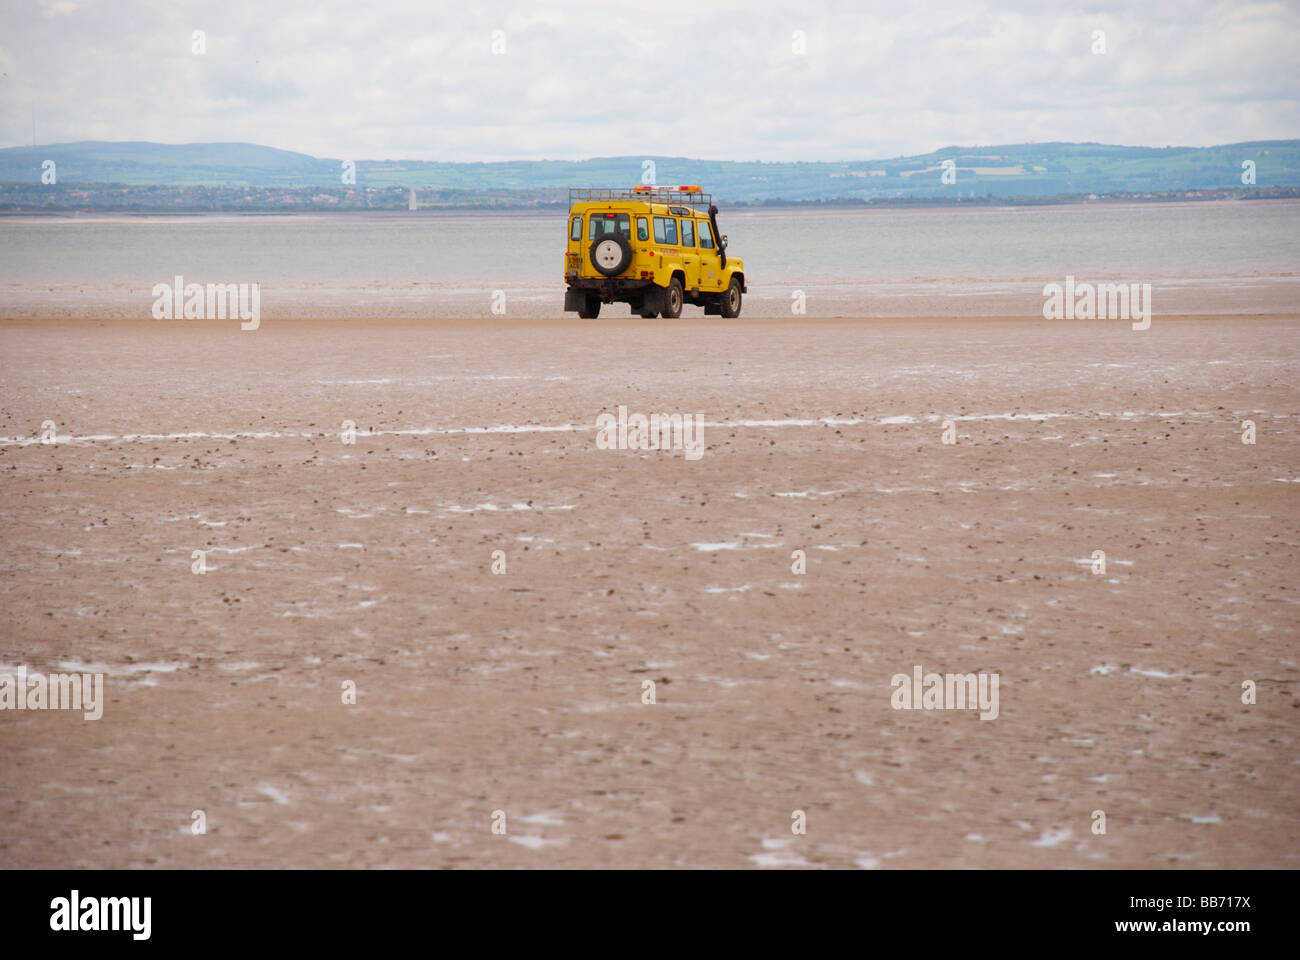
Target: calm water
1210	257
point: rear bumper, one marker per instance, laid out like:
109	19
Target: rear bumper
607	288
609	284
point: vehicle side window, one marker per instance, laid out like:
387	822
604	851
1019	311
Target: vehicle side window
665	230
706	236
688	233
642	229
575	229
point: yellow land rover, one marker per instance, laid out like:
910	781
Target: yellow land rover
653	248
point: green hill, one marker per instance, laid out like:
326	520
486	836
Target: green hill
1018	170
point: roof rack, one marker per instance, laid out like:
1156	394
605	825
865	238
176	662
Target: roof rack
690	196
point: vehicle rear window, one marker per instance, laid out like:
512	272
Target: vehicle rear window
688	233
642	229
601	224
665	230
575	229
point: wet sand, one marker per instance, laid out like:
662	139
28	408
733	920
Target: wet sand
522	692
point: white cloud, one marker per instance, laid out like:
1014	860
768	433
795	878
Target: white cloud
597	78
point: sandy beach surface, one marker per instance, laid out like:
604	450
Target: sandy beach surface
371	564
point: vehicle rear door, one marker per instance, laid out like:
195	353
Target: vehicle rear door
602	222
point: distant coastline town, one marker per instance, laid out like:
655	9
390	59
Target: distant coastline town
65	199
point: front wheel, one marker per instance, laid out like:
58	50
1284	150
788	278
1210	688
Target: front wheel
590	308
673	299
731	299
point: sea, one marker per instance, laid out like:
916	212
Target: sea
1215	257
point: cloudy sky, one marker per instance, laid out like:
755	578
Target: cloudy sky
714	79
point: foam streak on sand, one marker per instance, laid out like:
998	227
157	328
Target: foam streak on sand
572	427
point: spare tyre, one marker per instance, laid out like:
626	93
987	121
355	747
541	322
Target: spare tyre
610	254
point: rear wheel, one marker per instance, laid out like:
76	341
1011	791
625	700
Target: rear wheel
673	299
731	299
590	308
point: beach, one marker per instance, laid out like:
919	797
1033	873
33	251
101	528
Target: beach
371	563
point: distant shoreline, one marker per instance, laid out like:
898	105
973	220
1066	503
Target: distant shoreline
121	215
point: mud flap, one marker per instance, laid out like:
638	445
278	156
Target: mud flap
574	300
654	299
